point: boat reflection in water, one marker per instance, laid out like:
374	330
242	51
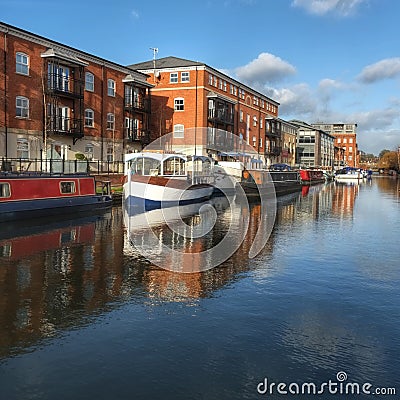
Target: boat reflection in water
183	238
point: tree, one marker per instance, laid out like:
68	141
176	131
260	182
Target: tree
389	160
383	152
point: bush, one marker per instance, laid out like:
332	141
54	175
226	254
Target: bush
80	156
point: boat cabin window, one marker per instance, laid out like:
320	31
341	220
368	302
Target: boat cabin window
5	190
145	166
174	166
67	187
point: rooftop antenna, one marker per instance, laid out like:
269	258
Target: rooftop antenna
155	51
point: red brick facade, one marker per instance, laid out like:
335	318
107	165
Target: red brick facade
192	94
45	99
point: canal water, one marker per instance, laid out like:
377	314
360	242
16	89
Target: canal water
84	315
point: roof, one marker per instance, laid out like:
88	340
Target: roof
176	62
166	62
59	49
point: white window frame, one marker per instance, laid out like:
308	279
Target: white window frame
21	63
22	107
22	148
179	130
110	121
89	81
111	87
185	76
173	77
89	118
179	104
89	151
110	153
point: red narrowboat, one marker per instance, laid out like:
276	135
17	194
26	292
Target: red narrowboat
36	195
311	176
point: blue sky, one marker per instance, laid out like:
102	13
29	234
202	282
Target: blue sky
323	60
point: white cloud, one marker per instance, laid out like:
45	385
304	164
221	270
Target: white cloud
134	14
266	68
322	7
384	69
295	101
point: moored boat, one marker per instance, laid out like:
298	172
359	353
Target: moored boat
29	195
311	176
159	180
350	173
253	180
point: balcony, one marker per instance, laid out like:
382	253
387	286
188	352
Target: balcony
220	115
65	86
273	151
65	126
138	135
137	104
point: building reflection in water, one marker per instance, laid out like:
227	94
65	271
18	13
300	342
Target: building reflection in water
53	277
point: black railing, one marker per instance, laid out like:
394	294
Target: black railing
137	135
139	104
64	126
58	166
64	85
220	115
273	151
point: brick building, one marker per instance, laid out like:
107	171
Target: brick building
345	138
58	100
189	94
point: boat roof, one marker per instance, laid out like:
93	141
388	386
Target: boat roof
155	156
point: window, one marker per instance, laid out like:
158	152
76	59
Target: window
350	140
110	121
185	77
89	118
22	107
261	141
241	116
89	82
5	190
339	140
215	81
58	77
89	150
254	141
22	64
111	87
224	86
231	86
67	187
210	79
254	121
220	84
179	130
350	149
344	140
173	77
110	153
22	148
261	123
179	104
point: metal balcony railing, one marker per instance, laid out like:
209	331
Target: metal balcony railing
64	85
